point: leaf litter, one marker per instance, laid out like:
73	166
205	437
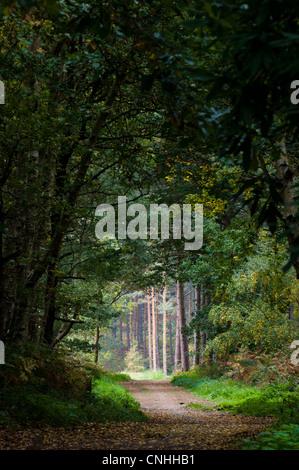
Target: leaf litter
171	425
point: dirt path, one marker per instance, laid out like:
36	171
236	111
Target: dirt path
171	426
156	396
174	426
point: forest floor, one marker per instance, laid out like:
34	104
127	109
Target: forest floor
171	426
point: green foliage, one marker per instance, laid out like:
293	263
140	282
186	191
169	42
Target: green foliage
117	376
284	437
279	400
50	5
257	327
73	79
253	308
61	392
39	365
230	71
90	93
213	370
134	361
115	402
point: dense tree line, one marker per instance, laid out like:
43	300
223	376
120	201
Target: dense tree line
163	102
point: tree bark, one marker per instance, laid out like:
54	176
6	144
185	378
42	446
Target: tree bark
154	330
128	331
157	331
197	331
178	338
170	342
121	339
184	342
96	353
149	325
164	331
65	328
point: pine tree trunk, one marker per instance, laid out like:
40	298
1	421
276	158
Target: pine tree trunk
157	331
131	329
96	353
144	333
154	324
178	339
149	325
135	325
170	342
121	339
197	331
203	334
140	325
128	331
164	331
181	312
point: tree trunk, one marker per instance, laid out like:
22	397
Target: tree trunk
65	328
196	331
154	330
144	333
164	331
96	342
121	346
128	331
170	342
157	331
184	342
178	339
140	325
149	325
131	324
135	325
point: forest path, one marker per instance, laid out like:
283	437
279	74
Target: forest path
156	396
171	426
174	426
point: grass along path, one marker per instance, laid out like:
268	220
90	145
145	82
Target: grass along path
171	425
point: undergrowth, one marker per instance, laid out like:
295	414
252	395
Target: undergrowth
284	437
38	386
268	397
279	400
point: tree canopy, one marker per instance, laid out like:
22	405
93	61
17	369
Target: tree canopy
176	103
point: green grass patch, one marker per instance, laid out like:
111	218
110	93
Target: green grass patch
29	404
149	375
279	400
117	376
116	403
